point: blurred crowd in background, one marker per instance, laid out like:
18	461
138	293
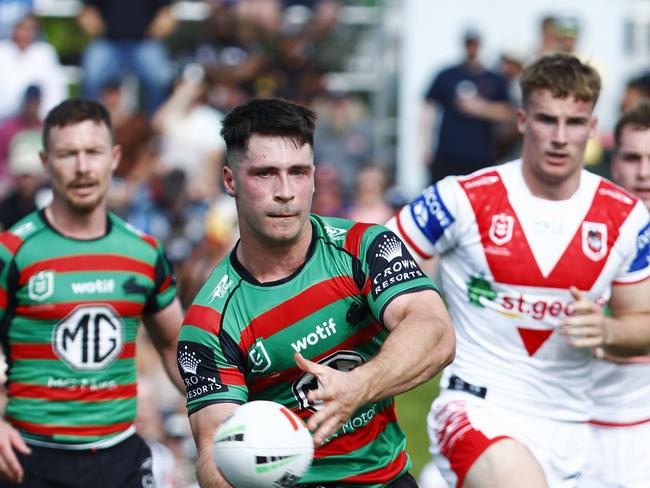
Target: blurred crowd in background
167	100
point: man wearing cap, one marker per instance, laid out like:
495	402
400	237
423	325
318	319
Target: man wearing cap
472	99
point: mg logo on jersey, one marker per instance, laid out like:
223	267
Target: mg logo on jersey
594	240
222	288
90	338
501	229
260	358
41	286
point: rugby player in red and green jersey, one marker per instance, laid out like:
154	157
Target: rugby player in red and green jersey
75	282
326	316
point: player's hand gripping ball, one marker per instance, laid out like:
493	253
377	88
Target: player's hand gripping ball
263	445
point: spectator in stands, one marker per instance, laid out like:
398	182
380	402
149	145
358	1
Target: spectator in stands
25	167
189	135
25	61
26	118
549	40
11	11
472	99
344	138
127	38
369	204
636	90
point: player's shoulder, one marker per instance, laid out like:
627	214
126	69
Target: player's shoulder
611	193
22	231
343	233
132	234
219	286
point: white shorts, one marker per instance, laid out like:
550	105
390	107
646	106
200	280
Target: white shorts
462	426
620	457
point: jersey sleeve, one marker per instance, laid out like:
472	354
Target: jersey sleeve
432	223
390	269
164	290
636	248
209	360
9	244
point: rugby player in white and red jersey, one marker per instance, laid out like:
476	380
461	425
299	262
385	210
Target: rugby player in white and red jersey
529	251
621	389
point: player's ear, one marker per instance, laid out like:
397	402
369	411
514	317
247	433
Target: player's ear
229	181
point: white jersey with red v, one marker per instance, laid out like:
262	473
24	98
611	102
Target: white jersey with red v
507	262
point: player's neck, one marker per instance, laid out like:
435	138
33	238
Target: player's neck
77	225
272	263
550	190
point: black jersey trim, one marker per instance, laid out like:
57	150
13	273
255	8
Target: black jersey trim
109	228
404	292
246	276
212	402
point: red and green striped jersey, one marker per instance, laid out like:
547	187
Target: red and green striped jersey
239	337
70	310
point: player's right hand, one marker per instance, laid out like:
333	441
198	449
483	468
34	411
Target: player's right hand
10	441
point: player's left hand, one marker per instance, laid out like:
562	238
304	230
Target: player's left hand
339	394
586	327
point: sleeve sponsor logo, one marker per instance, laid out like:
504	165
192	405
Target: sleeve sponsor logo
616	195
335	233
24	229
390	263
430	214
642	250
482	181
199	370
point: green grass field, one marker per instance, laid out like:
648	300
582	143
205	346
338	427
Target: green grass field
412	409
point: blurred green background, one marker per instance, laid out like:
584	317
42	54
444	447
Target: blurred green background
412	410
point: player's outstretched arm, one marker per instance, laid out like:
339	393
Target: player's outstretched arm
420	344
10	441
625	333
204	424
163	328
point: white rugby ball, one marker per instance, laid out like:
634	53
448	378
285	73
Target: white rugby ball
263	445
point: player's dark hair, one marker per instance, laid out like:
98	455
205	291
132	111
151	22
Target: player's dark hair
637	118
266	117
563	75
74	111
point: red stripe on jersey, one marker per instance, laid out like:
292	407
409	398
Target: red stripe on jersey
510	257
380	475
358	438
165	284
83	394
288	375
405	237
353	238
11	241
231	376
46	352
89	262
149	240
297	308
3	298
88	430
205	318
53	311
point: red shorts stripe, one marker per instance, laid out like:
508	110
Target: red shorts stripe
461	443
